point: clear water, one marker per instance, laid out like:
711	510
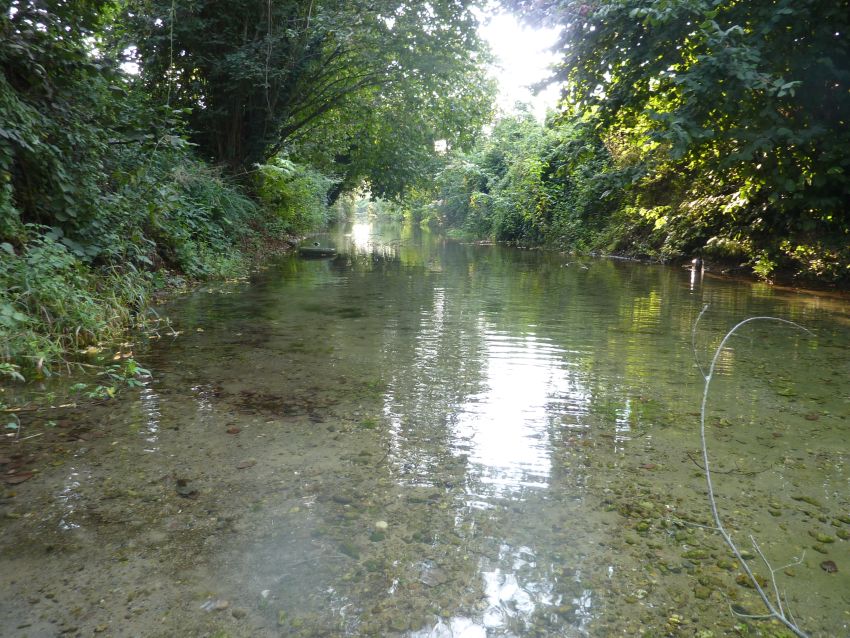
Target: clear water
425	438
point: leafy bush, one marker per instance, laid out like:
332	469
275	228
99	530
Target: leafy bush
50	302
295	193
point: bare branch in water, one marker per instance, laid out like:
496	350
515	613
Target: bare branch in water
694	339
775	608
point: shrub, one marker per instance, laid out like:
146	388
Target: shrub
50	302
295	193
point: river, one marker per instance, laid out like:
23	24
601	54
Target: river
427	438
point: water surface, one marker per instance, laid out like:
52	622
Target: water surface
427	438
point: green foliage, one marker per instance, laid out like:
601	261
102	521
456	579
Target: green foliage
357	90
726	122
296	194
126	374
49	106
362	205
55	298
49	303
529	183
194	217
11	371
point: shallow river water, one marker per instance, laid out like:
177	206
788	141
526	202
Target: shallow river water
424	438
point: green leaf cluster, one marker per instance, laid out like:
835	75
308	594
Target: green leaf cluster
726	122
530	183
358	90
296	194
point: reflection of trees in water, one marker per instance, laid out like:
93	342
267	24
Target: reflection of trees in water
442	334
449	357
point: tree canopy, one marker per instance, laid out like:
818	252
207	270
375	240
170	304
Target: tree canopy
243	120
368	85
724	125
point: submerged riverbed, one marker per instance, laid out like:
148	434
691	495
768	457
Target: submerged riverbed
424	438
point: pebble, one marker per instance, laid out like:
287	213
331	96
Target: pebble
702	593
218	604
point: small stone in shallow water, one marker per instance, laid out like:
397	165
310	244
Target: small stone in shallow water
702	593
728	565
215	605
829	566
744	581
804	498
184	488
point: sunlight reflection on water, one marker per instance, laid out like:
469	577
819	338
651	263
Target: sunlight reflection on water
434	439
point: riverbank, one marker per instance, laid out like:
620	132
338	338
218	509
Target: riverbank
58	310
725	269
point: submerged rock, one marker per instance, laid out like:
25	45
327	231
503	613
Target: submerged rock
184	488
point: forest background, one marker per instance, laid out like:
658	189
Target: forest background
146	143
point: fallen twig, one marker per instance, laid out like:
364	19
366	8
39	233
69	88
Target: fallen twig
775	608
737	469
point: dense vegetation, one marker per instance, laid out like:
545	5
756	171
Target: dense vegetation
688	127
242	121
146	142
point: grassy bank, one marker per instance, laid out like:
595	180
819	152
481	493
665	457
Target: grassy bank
179	222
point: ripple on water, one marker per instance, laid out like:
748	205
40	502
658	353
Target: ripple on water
523	428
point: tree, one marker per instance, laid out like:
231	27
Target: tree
49	138
262	77
744	105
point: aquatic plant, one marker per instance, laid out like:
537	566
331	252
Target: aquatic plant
774	605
